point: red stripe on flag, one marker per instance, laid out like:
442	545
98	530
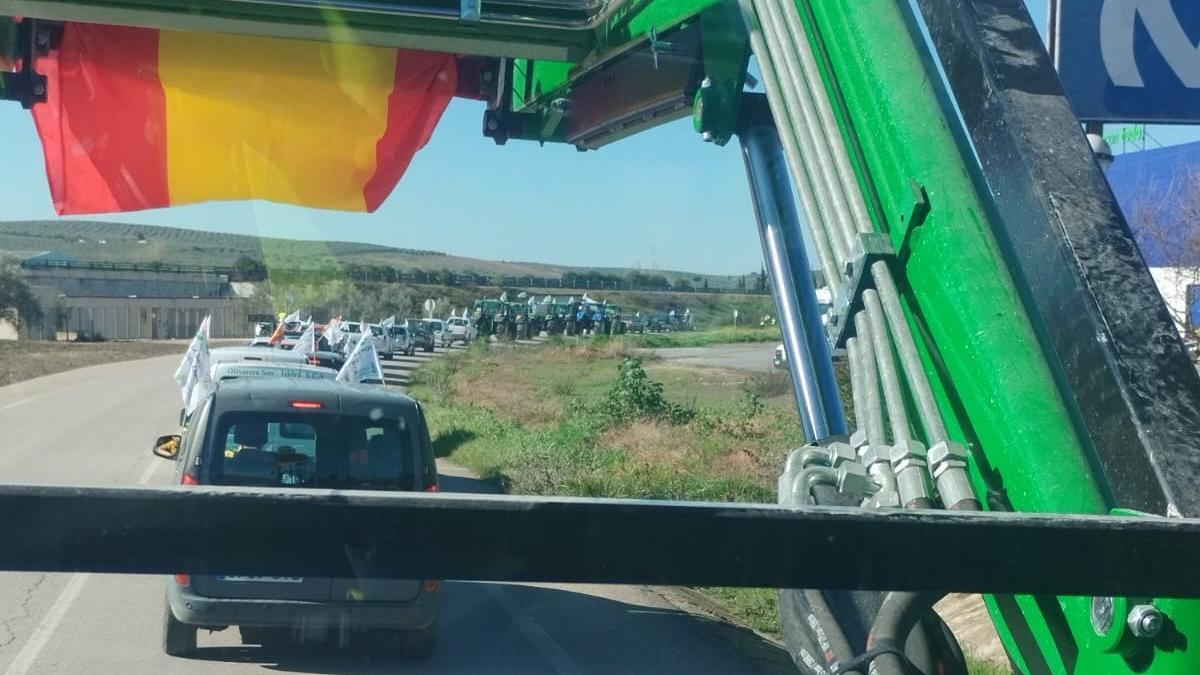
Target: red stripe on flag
425	83
103	126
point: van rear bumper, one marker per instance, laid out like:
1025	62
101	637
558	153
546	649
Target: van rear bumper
198	610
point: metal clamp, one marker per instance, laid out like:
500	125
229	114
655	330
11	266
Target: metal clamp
868	248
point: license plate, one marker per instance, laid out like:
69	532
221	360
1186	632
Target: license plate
265	580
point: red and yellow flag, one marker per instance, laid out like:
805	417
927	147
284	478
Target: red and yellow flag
140	118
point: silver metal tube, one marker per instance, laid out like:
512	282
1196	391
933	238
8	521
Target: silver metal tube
910	358
893	396
831	132
809	362
876	432
801	105
804	188
858	391
597	17
823	185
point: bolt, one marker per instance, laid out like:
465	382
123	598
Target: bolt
39	89
488	76
1145	621
840	453
492	124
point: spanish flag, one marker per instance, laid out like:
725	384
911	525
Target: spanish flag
139	118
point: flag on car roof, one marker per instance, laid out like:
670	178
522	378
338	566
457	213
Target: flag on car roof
139	118
193	375
362	365
306	344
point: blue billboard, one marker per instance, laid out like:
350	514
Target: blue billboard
1130	60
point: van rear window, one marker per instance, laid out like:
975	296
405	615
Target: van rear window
322	451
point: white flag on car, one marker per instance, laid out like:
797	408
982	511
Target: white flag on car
333	332
362	365
306	344
388	322
194	376
294	317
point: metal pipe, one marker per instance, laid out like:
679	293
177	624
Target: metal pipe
910	358
831	132
788	110
876	432
803	187
858	390
811	367
804	120
893	396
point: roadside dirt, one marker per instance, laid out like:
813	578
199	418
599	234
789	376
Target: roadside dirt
25	360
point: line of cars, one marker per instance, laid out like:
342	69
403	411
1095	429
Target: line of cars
272	420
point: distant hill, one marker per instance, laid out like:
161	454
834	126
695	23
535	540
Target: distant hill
119	242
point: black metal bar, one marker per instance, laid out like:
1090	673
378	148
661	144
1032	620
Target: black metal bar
504	538
1106	332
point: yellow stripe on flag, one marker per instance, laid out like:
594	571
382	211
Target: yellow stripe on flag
266	118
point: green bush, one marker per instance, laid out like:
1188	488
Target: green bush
635	396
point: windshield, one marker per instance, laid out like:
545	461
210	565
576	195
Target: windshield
314	451
872	255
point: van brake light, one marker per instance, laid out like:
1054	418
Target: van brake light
308	405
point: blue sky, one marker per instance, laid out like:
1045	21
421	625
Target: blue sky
661	199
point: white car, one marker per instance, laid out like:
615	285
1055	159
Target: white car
461	329
399	341
441	337
780	360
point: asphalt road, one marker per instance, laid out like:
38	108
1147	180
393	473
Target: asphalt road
94	426
741	356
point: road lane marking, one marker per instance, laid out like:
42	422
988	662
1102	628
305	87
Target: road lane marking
20	402
70	593
551	650
45	630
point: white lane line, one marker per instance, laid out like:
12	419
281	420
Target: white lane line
45	630
551	650
20	402
148	473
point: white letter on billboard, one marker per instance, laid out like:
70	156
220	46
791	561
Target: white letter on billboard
1117	18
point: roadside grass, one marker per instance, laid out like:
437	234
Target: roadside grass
584	419
26	359
702	338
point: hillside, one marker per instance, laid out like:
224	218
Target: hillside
118	242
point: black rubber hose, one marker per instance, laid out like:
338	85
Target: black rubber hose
897	617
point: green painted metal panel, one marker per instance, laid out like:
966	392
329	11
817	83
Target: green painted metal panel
984	359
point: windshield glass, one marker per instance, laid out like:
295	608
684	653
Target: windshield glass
314	451
761	252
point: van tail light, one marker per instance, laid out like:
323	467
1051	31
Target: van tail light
433	488
186	579
431	585
307	405
189	479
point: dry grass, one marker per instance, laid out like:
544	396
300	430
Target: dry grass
26	359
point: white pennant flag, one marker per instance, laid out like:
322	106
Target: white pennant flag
292	318
194	375
362	364
333	332
306	344
388	322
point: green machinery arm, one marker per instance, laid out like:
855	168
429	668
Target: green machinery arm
884	134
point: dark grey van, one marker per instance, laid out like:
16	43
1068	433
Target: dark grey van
291	433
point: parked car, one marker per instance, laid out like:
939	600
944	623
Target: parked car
420	334
251	432
400	340
780	360
461	329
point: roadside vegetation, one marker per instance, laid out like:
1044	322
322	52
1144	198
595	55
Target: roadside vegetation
593	420
26	359
597	418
